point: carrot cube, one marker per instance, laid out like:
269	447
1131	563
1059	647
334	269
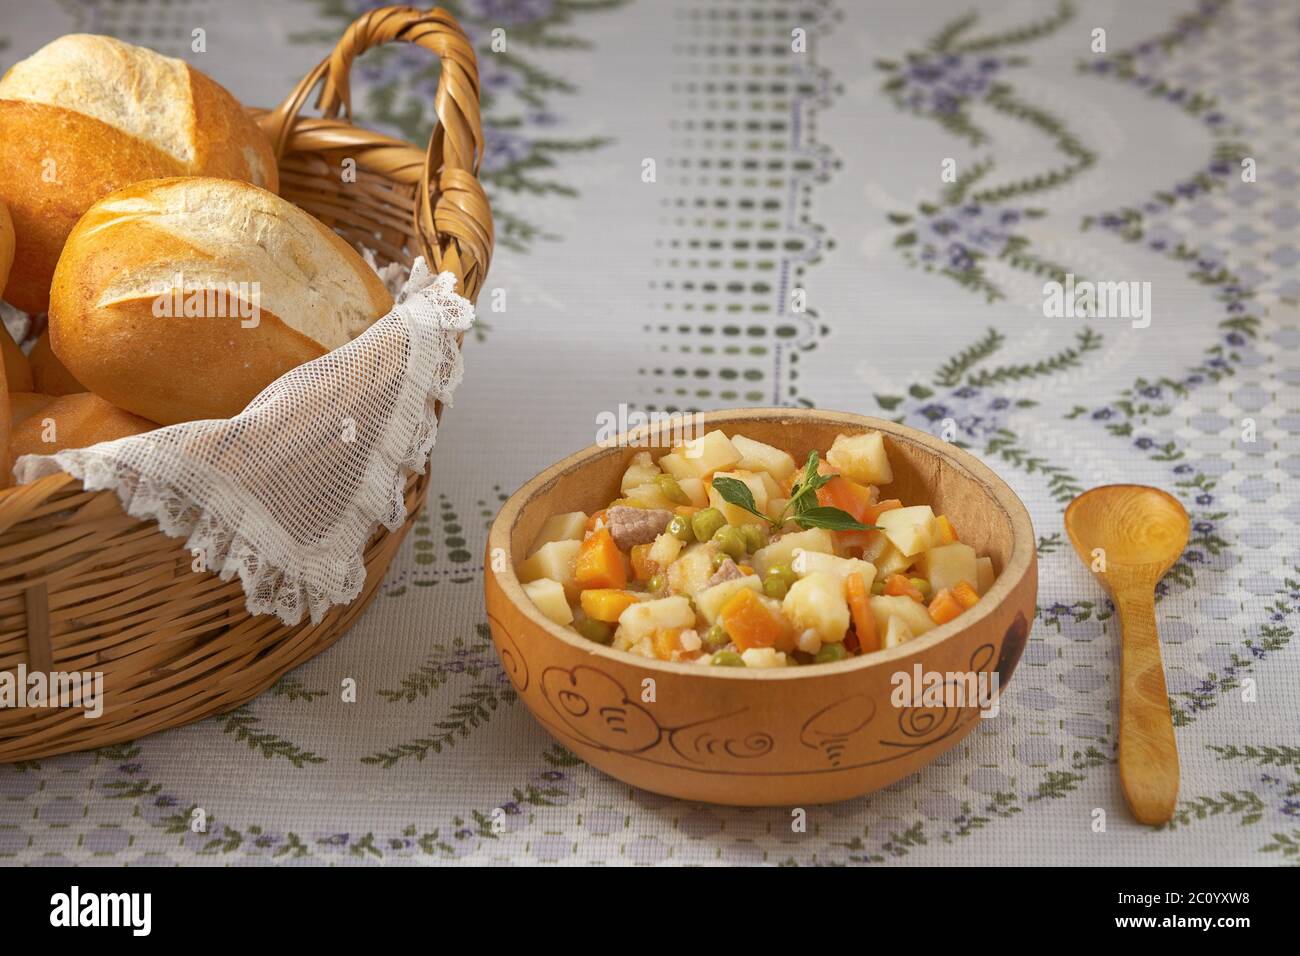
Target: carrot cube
965	594
606	604
665	641
864	623
947	533
751	623
848	496
643	569
600	563
898	586
944	607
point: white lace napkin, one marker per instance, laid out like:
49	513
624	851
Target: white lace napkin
287	493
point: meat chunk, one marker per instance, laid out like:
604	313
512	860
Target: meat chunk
633	526
727	571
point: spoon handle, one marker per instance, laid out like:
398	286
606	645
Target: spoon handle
1148	754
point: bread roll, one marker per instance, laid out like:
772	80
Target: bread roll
49	374
85	115
72	421
24	405
18	370
6	246
145	255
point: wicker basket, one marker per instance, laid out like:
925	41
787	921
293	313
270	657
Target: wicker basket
85	587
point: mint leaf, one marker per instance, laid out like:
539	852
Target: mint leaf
832	519
808	485
736	492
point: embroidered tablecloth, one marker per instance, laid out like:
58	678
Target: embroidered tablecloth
850	206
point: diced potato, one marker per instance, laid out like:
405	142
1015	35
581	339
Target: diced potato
557	561
565	527
897	632
641	470
874	547
676	466
642	644
948	564
712	452
913	613
808	641
549	597
665	549
770	487
776	507
709	601
756	456
809	562
817	602
985	574
734	513
695	490
781	551
763	657
861	458
754	482
912	530
891	561
649	495
645	617
690	573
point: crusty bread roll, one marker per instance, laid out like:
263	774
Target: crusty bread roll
26	404
72	421
6	246
18	370
85	115
143	257
48	374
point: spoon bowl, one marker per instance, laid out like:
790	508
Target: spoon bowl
1135	525
1129	536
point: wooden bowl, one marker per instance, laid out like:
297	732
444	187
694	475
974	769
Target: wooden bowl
786	737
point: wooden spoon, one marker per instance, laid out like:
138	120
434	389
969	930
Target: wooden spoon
1140	532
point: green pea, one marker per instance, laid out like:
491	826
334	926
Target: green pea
715	638
774	586
755	537
730	541
830	653
785	573
727	659
719	559
672	490
877	587
680	528
656	584
922	585
706	523
593	630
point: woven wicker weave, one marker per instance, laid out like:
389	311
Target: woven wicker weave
85	587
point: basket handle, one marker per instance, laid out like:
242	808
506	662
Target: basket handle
451	218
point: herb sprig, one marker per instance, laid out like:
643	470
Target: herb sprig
802	508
